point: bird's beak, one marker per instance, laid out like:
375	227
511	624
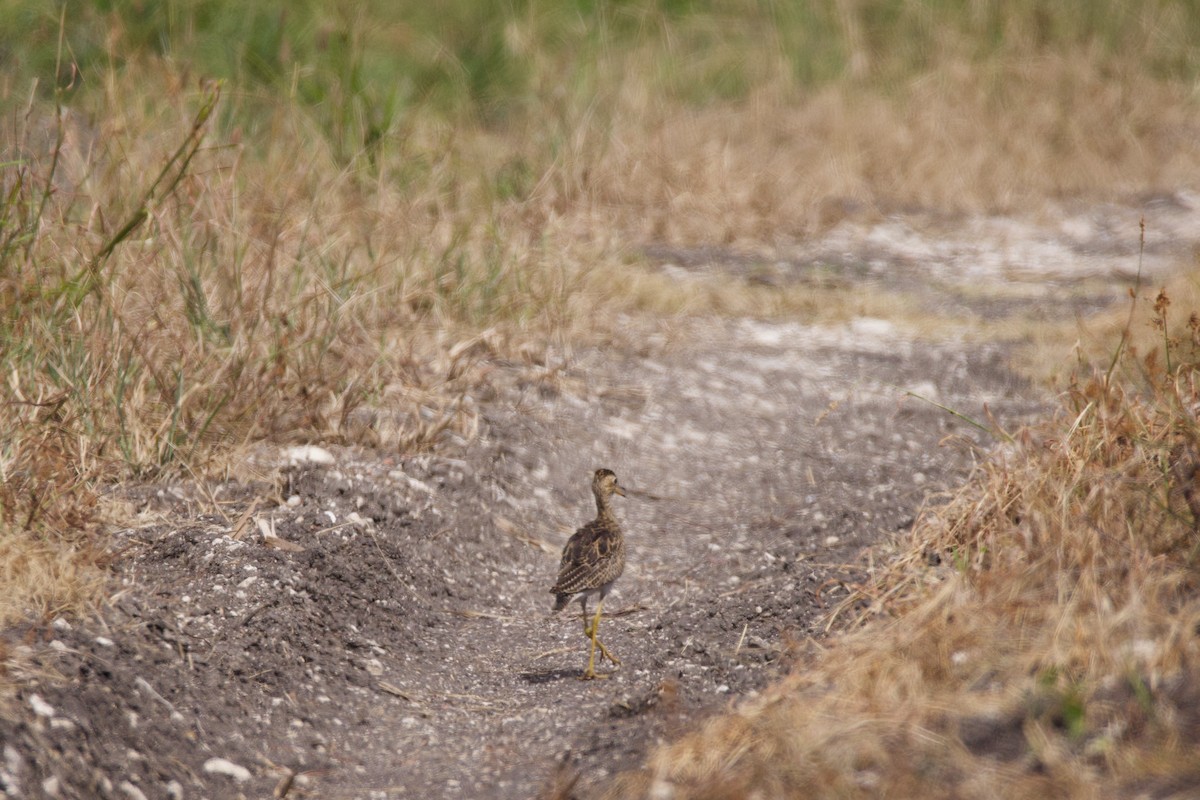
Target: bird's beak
619	489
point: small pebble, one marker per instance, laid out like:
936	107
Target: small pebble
131	791
310	454
40	706
223	766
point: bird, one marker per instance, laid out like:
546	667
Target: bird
592	560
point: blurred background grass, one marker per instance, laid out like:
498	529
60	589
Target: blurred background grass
223	222
367	70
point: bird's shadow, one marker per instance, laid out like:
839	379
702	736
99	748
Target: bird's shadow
548	675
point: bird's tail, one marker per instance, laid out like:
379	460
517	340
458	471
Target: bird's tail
560	602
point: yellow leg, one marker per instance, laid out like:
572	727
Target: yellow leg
591	632
595	635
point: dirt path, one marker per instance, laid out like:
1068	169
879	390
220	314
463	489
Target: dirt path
394	639
764	504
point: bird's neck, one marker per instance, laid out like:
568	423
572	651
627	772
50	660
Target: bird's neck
603	509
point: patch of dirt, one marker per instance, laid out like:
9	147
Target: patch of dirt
1066	259
384	629
379	627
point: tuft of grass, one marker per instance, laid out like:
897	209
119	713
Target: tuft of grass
1037	637
157	316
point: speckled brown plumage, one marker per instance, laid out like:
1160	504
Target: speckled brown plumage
593	559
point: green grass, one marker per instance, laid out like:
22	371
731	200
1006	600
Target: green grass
366	71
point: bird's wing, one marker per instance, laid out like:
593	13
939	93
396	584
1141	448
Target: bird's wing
587	547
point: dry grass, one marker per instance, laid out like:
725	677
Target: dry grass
184	270
783	165
156	326
1037	637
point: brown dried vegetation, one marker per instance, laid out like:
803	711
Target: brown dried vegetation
1038	637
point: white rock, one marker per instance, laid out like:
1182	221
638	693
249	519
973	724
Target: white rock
223	766
12	760
661	790
104	641
293	501
309	454
420	486
40	706
926	390
132	791
873	327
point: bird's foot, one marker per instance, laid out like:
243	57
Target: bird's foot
605	654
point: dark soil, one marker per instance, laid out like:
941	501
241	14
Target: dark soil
395	640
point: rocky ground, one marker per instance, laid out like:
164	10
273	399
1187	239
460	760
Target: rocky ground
366	625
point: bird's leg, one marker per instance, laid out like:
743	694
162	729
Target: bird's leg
596	640
589	631
590	672
591	627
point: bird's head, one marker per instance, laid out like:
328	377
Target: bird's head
604	484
